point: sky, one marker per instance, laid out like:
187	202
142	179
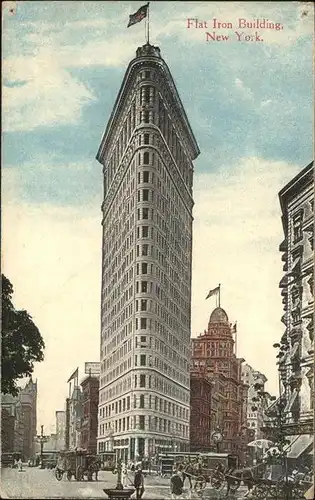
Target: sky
249	103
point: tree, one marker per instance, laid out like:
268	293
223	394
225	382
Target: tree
22	343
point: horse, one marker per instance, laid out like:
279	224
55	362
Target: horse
234	477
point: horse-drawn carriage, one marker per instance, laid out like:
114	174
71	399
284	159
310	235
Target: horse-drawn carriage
77	464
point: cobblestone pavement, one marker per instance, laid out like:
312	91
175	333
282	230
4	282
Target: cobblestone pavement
42	484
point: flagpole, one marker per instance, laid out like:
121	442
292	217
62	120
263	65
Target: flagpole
148	33
219	294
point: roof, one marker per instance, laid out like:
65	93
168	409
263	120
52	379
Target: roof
219	315
295	184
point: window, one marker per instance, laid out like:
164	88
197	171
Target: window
142	359
141	401
147	74
146	158
146	139
145	231
143	338
144	286
144	268
297	226
145	116
143	304
145	213
145	249
142	380
143	323
141	422
145	195
145	176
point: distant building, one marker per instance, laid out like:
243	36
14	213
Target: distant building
61	429
258	399
213	352
89	400
73	418
23	409
296	363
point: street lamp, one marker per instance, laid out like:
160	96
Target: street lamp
42	439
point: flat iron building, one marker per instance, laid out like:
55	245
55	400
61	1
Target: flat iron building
147	152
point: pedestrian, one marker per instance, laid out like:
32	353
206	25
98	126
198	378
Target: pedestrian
139	483
20	465
176	485
187	472
125	478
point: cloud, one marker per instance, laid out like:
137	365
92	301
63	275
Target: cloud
37	91
237	232
41	52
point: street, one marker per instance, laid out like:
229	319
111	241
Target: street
37	483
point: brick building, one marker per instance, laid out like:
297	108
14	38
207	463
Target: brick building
19	415
200	410
89	401
213	352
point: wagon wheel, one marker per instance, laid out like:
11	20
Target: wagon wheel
79	473
69	475
273	491
58	474
260	491
217	480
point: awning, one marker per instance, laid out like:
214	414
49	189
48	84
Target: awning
300	446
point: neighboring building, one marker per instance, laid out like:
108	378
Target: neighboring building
214	352
200	410
61	429
88	431
258	399
147	153
296	365
73	419
23	409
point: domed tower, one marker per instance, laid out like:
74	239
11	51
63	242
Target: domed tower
213	352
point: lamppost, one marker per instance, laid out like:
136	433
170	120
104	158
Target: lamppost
42	439
119	493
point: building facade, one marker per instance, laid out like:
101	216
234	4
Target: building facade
213	351
147	153
21	409
258	399
73	419
201	418
89	422
61	429
296	361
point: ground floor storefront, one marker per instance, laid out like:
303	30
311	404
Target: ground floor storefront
135	447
